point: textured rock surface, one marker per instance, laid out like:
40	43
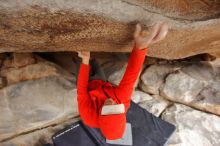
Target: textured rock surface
182	87
35	104
196	85
23	68
31	109
153	77
102	25
38	137
3	82
193	127
182	9
23	59
154	104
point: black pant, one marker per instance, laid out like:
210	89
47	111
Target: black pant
96	71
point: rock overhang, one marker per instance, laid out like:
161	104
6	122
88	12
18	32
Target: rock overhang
100	25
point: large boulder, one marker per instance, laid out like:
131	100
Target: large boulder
181	87
194	128
36	104
153	77
101	25
196	86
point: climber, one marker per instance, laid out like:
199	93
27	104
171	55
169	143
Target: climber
94	95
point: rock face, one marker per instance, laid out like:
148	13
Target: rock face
153	77
154	104
196	87
39	137
40	96
193	127
182	87
194	84
101	25
35	104
24	67
182	9
3	82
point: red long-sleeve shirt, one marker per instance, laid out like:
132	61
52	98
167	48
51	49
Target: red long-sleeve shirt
91	94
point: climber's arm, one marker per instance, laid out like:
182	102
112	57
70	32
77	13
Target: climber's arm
85	105
136	59
133	68
126	86
82	82
83	77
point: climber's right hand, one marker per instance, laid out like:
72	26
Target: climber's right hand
156	34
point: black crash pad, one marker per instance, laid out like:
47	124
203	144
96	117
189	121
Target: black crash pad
147	130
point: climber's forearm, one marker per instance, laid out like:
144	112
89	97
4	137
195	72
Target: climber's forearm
134	66
82	81
126	86
85	61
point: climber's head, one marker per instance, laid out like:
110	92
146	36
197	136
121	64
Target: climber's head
112	121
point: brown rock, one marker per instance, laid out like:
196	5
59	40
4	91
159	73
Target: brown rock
182	9
23	59
34	71
106	26
3	82
7	63
2	58
17	60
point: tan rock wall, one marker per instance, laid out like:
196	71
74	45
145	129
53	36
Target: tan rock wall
102	25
